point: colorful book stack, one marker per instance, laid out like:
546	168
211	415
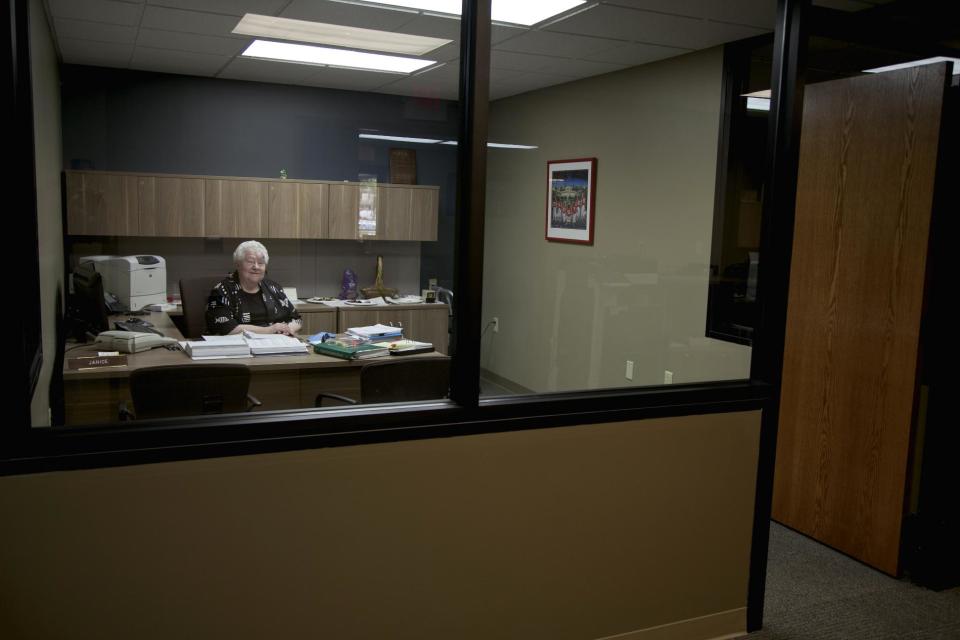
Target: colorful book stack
350	348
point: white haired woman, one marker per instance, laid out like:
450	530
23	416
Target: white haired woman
247	301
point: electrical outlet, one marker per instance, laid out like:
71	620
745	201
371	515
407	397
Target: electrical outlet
432	283
668	377
629	372
496	324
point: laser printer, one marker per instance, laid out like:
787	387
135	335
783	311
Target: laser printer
136	280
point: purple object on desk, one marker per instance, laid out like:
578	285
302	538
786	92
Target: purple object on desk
348	286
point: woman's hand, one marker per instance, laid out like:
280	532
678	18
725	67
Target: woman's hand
282	328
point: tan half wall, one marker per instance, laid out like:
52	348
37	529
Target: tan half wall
640	528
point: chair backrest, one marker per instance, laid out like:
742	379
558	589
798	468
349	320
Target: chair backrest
405	378
163	392
193	296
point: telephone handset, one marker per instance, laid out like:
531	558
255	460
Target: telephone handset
113	303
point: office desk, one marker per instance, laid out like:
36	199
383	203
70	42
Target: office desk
279	382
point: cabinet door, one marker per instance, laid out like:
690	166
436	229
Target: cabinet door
314	211
283	213
394	213
317	321
179	210
344	208
101	204
425	207
236	208
407	213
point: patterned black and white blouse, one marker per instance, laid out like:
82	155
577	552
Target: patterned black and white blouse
226	307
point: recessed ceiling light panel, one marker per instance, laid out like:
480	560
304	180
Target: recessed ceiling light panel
918	63
256	25
323	56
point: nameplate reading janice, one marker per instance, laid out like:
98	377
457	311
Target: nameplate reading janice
95	362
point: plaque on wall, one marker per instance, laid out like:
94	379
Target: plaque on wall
403	166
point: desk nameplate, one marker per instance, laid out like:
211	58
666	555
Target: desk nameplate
96	362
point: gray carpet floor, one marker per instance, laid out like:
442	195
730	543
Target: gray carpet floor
815	593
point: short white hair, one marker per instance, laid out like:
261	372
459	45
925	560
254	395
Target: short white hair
250	246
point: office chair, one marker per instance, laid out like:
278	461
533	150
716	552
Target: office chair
193	296
165	392
399	379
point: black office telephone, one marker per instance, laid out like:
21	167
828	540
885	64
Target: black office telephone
113	303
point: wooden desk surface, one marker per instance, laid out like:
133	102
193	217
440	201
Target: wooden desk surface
280	382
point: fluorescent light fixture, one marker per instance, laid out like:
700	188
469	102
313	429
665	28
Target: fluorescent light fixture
372	136
918	63
497	145
525	12
253	24
758	104
308	54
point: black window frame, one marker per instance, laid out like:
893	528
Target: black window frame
25	449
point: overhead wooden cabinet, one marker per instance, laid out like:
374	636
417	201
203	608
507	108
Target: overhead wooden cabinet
172	207
129	204
868	157
102	204
236	208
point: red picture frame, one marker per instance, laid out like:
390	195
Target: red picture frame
571	200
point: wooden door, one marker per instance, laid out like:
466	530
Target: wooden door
868	154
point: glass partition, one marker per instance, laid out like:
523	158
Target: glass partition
611	143
324	131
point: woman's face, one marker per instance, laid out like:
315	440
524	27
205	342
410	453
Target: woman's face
251	269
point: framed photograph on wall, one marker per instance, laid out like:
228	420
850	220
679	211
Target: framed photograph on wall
571	198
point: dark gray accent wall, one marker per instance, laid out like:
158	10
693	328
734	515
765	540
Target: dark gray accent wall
121	120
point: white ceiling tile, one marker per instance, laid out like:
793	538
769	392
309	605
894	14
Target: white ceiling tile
350	15
210	24
433	26
108	54
99	31
608	21
229	7
445	53
266	71
517	61
500	32
757	13
634	54
555	44
441	82
190	42
97	11
580	68
166	61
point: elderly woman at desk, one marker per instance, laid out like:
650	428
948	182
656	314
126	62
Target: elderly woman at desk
247	301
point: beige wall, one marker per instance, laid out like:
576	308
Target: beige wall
572	315
578	532
46	116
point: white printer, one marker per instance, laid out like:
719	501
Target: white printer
136	280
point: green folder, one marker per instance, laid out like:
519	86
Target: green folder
349	353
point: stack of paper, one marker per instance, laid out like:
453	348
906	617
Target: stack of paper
217	347
406	347
262	344
377	332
